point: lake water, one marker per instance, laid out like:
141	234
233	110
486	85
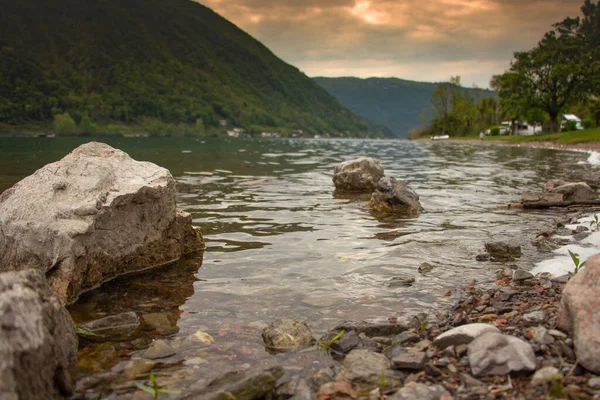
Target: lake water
280	244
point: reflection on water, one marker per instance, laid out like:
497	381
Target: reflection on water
280	244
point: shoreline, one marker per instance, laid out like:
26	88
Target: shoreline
588	146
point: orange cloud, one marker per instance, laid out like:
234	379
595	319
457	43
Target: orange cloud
429	40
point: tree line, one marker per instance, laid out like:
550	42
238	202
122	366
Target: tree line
561	74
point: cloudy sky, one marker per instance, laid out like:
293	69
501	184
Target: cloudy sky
425	40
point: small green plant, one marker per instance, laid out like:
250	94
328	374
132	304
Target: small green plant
324	347
577	262
154	390
423	328
595	224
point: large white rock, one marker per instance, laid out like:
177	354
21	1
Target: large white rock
91	216
38	343
579	313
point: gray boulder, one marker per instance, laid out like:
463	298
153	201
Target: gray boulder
91	216
38	343
579	313
498	354
392	195
360	175
286	335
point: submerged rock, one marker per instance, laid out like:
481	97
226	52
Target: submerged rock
240	385
498	354
159	349
579	313
503	251
91	216
38	343
393	195
125	326
388	328
360	175
286	335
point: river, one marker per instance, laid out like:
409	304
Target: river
281	244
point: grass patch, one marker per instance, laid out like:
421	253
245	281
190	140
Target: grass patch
576	137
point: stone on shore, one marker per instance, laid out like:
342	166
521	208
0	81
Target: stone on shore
366	370
360	175
579	313
464	334
414	390
392	195
286	335
38	343
91	216
498	354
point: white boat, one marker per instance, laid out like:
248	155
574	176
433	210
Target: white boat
440	137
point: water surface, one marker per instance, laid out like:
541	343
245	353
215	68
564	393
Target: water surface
281	244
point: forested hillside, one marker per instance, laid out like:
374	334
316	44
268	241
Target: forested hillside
394	103
149	62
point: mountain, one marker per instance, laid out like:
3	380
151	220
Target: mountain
148	62
394	103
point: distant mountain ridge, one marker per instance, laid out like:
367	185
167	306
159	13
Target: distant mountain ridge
174	61
391	102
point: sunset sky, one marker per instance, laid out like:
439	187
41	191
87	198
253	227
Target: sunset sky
424	40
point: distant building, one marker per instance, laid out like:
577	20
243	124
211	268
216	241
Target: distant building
571	117
223	122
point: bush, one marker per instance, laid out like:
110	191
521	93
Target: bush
63	123
495	131
86	125
570	126
587	123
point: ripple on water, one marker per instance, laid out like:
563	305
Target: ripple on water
280	244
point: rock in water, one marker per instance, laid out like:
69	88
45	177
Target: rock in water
91	216
395	196
38	343
579	313
498	354
286	335
503	251
570	191
360	175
